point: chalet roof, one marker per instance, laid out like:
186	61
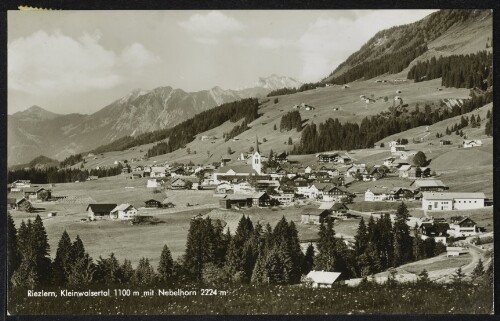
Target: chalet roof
121	207
405	167
323	277
464	220
33	189
378	190
152	200
100	208
237	197
315	211
258	195
429	183
242	169
448	196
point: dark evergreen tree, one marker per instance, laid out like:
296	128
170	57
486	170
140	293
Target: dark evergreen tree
308	263
63	261
144	274
13	255
166	265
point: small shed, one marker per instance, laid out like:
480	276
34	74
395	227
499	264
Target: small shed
314	216
323	279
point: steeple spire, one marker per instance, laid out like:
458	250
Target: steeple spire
257	144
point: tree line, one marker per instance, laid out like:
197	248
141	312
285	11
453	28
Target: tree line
54	175
182	134
460	71
332	134
291	120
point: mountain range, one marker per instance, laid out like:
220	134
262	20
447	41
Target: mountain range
36	131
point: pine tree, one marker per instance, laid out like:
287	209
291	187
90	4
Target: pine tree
108	270
82	271
13	255
144	274
41	251
308	263
478	270
63	260
361	238
259	273
325	260
126	272
402	238
166	265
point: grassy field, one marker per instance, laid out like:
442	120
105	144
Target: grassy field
442	262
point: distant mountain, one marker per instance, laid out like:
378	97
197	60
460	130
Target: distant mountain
274	82
37	131
38	162
35	113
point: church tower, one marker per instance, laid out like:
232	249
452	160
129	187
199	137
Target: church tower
256	158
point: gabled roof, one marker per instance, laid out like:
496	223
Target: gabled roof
152	200
33	189
121	207
245	169
323	277
405	167
376	190
258	195
464	220
339	206
429	183
100	208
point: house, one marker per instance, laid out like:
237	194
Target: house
125	170
389	161
310	108
327	157
285	198
339	208
463	228
92	178
153	183
186	182
36	193
308	170
235	200
346	86
123	212
261	199
378	195
147	171
22	204
429	185
322	279
432	201
343	160
224	188
404	171
281	158
244	188
99	211
152	203
415	172
402	193
224	160
468	143
455	251
314	215
330	193
19	185
158	171
138	168
443	142
397	149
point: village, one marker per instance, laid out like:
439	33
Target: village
332	185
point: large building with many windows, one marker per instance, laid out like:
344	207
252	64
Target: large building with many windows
452	201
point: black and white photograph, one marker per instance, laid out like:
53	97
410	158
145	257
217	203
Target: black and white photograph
249	162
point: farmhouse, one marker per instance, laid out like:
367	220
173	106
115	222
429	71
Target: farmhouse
36	193
123	212
186	182
99	211
153	183
158	171
152	203
322	279
19	185
339	208
327	157
281	158
261	199
468	143
285	198
331	193
463	228
434	228
378	195
235	200
314	215
451	201
429	185
397	149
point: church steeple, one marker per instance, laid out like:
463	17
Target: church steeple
257	144
256	158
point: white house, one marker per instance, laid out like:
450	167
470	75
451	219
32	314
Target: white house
152	183
322	279
397	149
124	212
158	171
468	143
389	161
377	195
308	170
463	228
19	185
452	201
243	188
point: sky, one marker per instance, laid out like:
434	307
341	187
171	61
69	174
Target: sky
80	61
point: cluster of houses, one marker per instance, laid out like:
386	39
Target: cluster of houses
100	211
304	106
30	193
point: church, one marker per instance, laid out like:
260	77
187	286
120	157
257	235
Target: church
230	172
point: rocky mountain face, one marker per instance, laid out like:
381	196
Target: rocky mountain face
36	131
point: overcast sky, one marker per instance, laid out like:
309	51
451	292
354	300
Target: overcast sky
80	61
